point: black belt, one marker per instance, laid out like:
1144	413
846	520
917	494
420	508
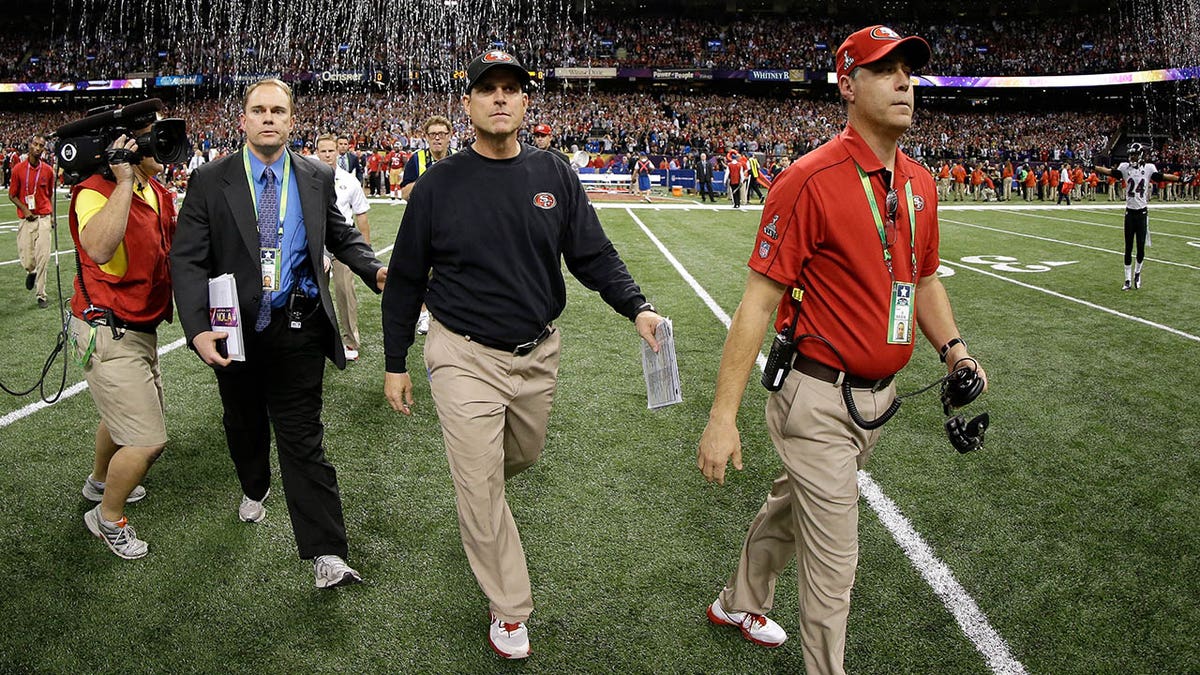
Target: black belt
115	321
826	374
515	349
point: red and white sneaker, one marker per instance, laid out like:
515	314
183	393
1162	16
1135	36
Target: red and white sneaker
509	640
756	628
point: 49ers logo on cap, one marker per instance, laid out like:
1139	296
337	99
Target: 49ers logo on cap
497	56
884	33
544	200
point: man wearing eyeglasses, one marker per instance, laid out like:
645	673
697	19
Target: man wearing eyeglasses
437	134
853	226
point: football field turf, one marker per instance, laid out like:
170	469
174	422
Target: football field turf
1069	544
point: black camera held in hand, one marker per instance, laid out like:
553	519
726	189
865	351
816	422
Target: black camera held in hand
958	389
83	145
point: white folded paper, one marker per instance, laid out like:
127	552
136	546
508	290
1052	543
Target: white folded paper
225	314
661	369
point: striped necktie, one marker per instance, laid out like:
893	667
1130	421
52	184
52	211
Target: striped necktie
268	238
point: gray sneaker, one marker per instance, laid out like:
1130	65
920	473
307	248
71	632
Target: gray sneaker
93	490
331	571
120	537
250	511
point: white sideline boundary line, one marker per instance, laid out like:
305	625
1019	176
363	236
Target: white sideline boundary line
1085	303
69	251
70	391
1059	241
937	574
22	413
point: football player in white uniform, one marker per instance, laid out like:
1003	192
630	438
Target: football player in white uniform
1138	178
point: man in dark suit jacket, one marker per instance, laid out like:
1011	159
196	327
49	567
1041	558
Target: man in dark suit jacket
347	159
235	219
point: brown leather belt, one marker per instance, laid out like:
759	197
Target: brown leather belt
831	375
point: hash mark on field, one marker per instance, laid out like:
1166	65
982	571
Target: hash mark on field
936	573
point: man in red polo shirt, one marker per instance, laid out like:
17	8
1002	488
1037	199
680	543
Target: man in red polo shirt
30	190
854	225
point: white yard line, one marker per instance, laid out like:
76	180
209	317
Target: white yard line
1153	233
1059	241
966	612
1085	303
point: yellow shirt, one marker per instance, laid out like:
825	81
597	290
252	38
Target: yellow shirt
89	203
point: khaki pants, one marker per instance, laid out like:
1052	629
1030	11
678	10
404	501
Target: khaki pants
34	238
345	303
811	513
493	407
125	381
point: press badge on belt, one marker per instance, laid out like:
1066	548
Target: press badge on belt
269	260
900	325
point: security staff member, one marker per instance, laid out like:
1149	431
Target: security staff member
497	286
438	133
265	214
122	228
853	224
755	172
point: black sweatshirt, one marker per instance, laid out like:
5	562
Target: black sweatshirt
493	232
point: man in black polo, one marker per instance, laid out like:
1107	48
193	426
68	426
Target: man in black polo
492	351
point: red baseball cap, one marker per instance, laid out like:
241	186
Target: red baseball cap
543	130
875	42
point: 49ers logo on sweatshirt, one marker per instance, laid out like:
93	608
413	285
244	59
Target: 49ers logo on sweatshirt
544	200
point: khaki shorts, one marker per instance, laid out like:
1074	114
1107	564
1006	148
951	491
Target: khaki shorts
125	381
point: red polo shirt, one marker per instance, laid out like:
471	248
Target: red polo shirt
817	231
36	180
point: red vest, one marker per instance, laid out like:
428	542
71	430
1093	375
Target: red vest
143	295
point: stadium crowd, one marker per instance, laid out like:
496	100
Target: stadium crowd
660	124
998	46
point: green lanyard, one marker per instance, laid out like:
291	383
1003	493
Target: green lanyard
283	187
912	222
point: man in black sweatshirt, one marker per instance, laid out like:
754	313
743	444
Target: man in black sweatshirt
496	288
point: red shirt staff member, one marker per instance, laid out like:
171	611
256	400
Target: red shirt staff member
854	223
30	189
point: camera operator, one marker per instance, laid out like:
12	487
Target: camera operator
31	188
122	227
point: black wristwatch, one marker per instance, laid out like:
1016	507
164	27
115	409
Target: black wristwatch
949	345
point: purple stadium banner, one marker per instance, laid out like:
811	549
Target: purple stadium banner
1053	81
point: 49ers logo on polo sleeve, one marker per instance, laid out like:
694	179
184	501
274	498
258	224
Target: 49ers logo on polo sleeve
544	200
